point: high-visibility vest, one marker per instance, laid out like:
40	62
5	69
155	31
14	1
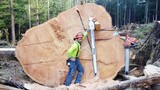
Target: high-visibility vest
74	50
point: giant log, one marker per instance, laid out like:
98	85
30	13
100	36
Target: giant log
42	51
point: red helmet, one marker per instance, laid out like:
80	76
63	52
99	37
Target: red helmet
79	35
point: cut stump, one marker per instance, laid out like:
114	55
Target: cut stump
42	51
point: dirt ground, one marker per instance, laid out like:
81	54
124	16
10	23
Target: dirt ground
11	70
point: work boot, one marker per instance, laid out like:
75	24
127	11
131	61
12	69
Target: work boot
77	84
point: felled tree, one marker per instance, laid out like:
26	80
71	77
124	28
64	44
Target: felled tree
42	51
149	52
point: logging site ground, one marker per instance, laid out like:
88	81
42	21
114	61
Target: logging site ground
41	45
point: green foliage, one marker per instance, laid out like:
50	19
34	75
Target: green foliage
143	31
4	14
21	13
135	12
131	11
57	6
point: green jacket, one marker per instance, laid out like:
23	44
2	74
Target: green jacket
75	48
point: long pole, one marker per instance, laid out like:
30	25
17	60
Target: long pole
93	48
12	23
127	50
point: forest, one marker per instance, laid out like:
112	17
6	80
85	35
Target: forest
16	16
121	52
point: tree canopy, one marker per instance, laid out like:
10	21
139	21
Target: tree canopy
132	11
29	13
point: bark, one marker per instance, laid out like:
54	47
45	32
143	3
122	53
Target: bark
118	5
5	87
146	11
12	23
19	30
37	11
156	10
144	82
48	6
149	52
29	13
6	35
151	78
12	84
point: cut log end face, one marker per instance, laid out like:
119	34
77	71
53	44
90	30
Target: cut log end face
42	52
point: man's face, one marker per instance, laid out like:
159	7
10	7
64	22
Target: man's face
79	40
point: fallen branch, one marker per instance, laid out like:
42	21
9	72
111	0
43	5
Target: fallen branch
143	81
128	77
4	87
12	83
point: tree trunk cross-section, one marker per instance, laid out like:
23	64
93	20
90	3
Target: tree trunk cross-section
42	51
